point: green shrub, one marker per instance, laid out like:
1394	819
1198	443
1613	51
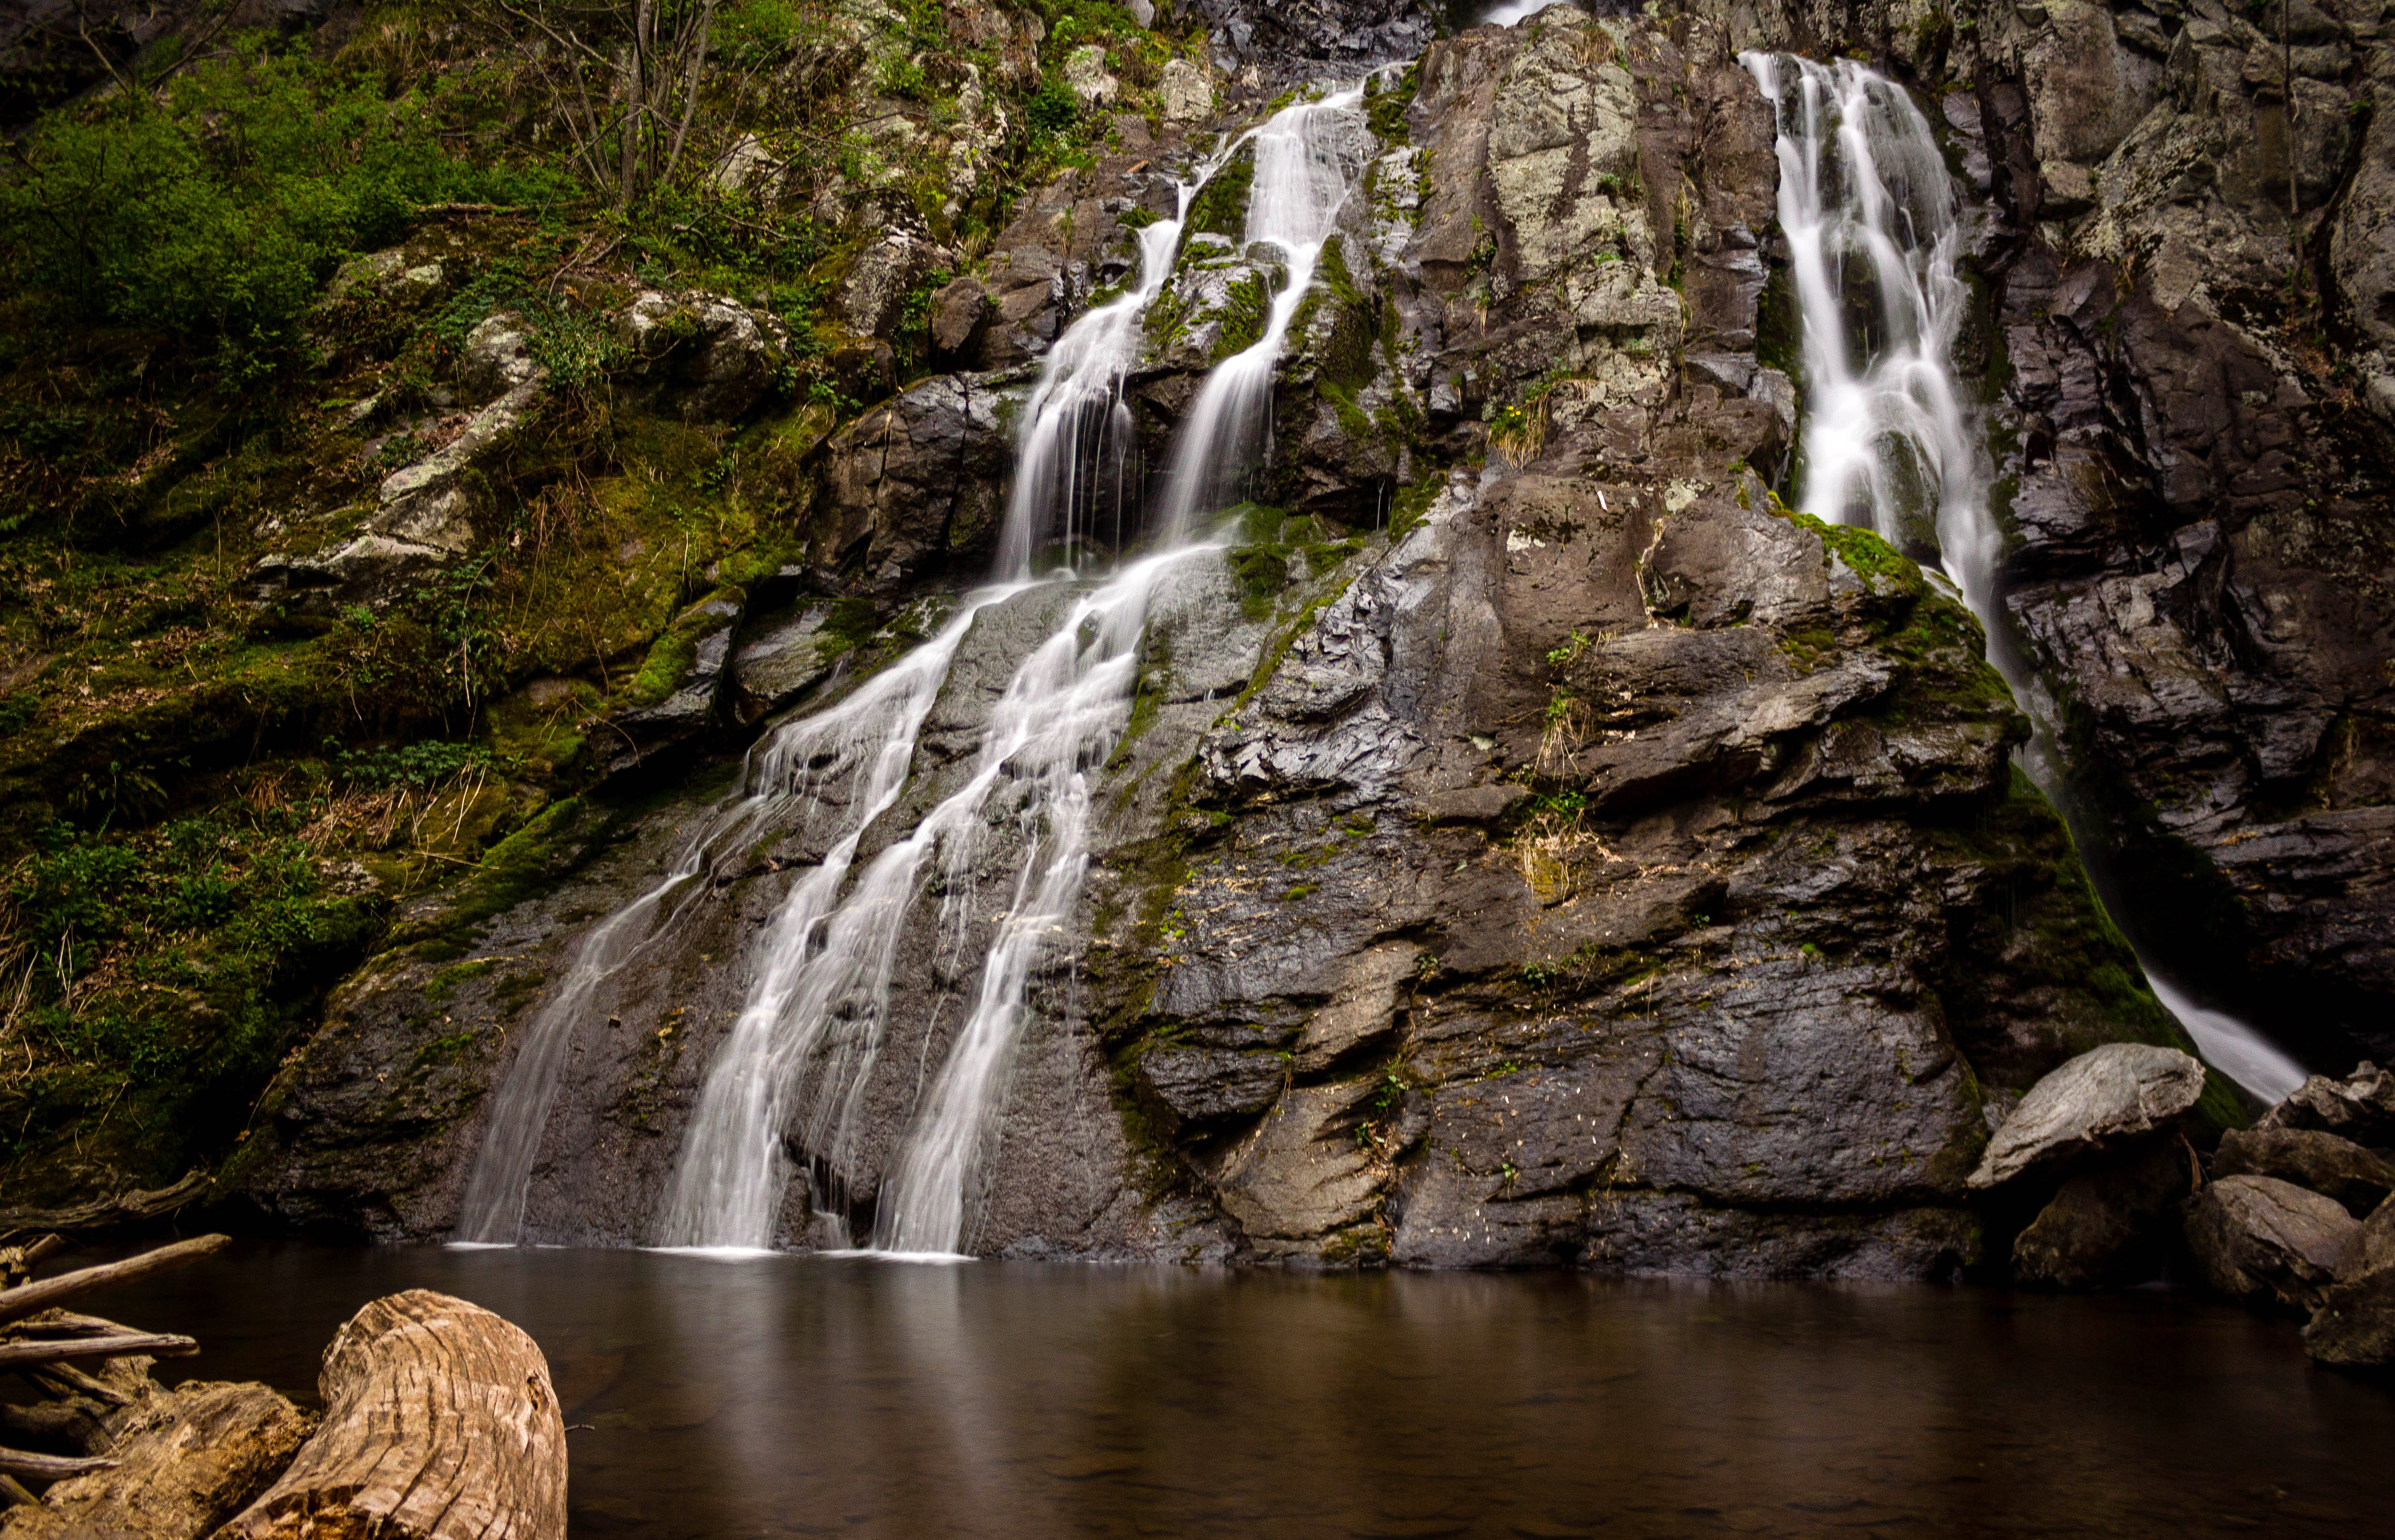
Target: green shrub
218	211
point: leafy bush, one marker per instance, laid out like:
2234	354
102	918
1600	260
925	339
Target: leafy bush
219	210
1054	109
175	952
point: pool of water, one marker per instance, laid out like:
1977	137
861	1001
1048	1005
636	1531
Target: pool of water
788	1395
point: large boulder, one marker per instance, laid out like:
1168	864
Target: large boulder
2323	1163
1187	95
2107	1095
917	482
2109	1225
2268	1243
704	356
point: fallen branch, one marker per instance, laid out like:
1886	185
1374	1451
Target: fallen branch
60	1323
25	1298
50	1468
25	1355
62	1380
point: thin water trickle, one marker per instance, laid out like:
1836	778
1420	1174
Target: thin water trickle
1875	238
1308	159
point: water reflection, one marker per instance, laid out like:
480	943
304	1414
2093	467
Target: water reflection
795	1396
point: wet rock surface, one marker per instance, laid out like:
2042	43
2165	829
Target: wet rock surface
2110	1224
2321	1162
2190	450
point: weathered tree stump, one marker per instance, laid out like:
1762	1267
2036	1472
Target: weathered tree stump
439	1424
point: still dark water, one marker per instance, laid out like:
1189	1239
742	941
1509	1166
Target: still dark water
806	1396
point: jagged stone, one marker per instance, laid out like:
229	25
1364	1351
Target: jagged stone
2268	1243
681	681
2108	1095
1085	72
781	662
959	314
1201	1085
1186	96
917	483
2321	1162
2359	1107
709	357
2354	1327
879	279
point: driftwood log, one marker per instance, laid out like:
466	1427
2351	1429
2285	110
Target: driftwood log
106	1213
25	1298
184	1461
439	1424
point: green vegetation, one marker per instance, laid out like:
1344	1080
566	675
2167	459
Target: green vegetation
217	213
153	977
1386	104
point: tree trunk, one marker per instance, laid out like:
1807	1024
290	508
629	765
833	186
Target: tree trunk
439	1424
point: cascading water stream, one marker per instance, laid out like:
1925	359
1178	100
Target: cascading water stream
1875	239
1304	167
869	737
821	980
1078	460
1077	687
807	1043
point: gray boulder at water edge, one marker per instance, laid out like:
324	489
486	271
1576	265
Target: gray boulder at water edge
2116	1092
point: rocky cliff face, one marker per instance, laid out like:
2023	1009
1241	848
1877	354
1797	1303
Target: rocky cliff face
1538	848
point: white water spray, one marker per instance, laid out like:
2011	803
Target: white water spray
1875	241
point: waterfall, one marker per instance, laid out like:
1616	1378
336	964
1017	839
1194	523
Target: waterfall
1307	160
1875	238
1074	694
796	1062
809	1031
807	1041
867	739
1078	460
